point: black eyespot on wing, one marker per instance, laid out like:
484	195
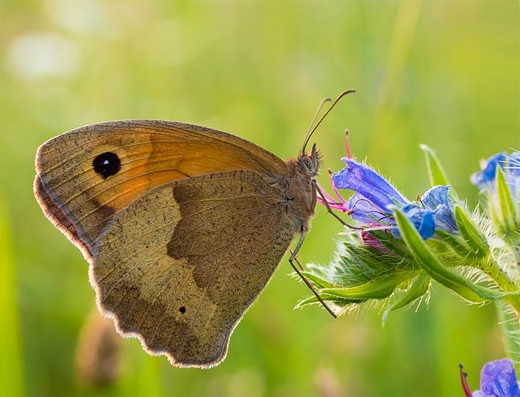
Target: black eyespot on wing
107	164
182	309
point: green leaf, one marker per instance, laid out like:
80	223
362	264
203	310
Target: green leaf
435	171
474	239
505	201
431	265
456	244
380	288
317	280
418	288
341	302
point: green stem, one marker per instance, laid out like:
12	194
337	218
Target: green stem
508	320
495	272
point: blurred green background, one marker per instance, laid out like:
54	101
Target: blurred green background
441	73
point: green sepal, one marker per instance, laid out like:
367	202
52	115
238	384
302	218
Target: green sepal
393	244
379	288
317	280
431	265
474	239
340	302
436	173
307	301
418	288
507	206
459	246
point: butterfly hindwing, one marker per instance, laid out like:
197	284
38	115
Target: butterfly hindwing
179	267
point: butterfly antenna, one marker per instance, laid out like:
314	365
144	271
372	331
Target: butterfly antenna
313	126
310	130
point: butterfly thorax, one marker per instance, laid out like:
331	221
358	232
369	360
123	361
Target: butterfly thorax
298	199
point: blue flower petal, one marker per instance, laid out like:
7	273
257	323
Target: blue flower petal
498	379
437	199
445	220
512	171
486	177
368	183
427	228
422	219
436	196
364	211
513	165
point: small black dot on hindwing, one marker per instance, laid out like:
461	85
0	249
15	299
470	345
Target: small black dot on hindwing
107	164
182	309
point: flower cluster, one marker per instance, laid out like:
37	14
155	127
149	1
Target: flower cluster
396	247
374	199
500	181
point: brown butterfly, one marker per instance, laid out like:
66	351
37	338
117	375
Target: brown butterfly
182	225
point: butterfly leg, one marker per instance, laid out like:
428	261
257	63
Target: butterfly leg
293	259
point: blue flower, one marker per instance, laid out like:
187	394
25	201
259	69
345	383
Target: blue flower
503	193
367	183
374	197
497	379
485	179
437	199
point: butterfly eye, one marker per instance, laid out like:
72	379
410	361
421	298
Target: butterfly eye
310	163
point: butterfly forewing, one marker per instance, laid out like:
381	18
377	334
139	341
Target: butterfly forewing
86	176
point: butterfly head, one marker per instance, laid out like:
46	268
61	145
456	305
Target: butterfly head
310	162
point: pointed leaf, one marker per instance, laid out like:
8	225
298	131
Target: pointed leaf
418	288
429	262
505	201
316	280
341	302
380	288
475	240
435	171
456	243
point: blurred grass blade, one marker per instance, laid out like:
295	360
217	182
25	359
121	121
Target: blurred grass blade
395	66
508	320
11	374
141	375
149	378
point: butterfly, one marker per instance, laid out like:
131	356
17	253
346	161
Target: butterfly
182	225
